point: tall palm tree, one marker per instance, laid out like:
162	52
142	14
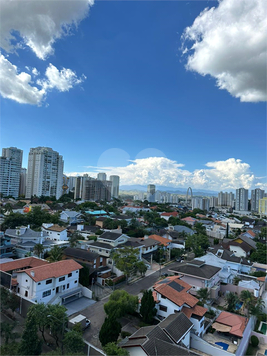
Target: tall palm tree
38	249
247	298
231	300
257	310
55	254
203	294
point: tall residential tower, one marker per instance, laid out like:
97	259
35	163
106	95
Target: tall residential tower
45	173
115	186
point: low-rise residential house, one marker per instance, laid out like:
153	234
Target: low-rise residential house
162	240
58	281
133	209
102	248
199	275
25	234
70	217
189	220
242	246
6	248
228	323
172	296
97	213
183	229
249	233
171	337
84	230
113	238
100	221
167	216
55	232
149	246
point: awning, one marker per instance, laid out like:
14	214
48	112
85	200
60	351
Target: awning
221	327
70	294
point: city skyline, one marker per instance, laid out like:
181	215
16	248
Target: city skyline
139	101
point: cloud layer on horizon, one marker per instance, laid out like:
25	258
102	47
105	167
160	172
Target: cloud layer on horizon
161	171
36	25
230	44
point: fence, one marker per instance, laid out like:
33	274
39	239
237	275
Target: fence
203	346
242	348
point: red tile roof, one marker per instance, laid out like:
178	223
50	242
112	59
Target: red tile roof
179	298
197	310
262	279
52	270
22	263
236	322
189	219
252	233
160	239
173	213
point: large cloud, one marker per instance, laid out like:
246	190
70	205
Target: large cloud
20	87
230	44
220	175
37	25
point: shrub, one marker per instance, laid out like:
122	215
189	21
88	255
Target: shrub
254	341
124	334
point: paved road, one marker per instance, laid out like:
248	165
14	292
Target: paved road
97	314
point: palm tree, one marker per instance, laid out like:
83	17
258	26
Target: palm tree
55	254
38	249
247	298
203	294
256	310
231	300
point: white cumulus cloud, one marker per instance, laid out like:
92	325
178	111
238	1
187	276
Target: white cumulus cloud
230	44
219	175
37	25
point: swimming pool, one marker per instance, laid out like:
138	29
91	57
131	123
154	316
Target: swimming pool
223	345
238	305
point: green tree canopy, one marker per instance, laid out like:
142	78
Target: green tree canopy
231	301
203	294
55	254
112	349
109	331
30	343
125	260
73	343
147	309
121	303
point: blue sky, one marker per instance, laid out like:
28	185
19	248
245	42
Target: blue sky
128	94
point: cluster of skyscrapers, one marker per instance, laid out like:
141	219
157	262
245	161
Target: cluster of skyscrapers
44	176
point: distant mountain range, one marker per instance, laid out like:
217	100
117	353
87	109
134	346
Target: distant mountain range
182	191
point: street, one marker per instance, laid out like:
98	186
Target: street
97	314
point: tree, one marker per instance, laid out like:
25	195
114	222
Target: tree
231	301
203	294
40	313
254	341
73	343
125	260
38	249
141	267
121	303
57	320
30	343
260	254
247	298
55	254
147	309
112	349
236	280
7	331
109	331
10	349
74	239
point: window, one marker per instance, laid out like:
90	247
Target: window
26	293
75	281
39	283
70	274
46	293
68	285
18	289
64	287
49	281
77	271
163	297
26	280
163	308
61	279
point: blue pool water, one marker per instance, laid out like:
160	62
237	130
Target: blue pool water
238	305
223	345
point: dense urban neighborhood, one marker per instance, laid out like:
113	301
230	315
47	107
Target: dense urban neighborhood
121	274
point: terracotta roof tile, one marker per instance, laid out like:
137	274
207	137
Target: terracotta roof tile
173	213
197	310
238	323
161	239
22	263
52	270
56	228
172	291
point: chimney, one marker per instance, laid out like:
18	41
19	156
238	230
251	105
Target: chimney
32	273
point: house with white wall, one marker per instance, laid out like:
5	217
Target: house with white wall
55	232
43	283
172	296
242	246
199	275
70	217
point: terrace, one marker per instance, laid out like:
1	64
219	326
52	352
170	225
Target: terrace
223	341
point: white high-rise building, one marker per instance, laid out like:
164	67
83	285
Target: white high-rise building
241	202
200	203
45	173
213	202
256	195
226	199
115	186
10	168
101	176
151	190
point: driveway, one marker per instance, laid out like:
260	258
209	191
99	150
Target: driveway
78	305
